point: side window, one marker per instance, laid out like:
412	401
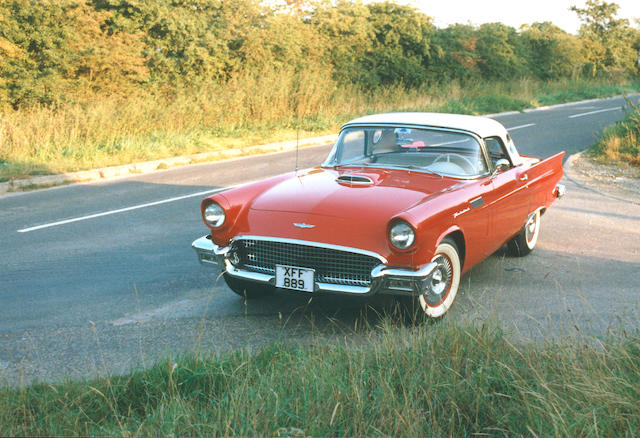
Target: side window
496	149
352	145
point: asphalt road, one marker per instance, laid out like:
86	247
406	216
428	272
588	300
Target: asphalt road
97	278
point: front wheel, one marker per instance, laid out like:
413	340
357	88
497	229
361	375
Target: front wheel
247	289
439	292
524	242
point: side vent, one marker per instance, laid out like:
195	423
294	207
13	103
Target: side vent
354	180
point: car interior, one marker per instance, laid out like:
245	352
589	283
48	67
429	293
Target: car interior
443	152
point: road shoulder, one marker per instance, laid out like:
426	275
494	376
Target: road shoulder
618	181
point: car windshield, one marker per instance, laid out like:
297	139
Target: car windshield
437	151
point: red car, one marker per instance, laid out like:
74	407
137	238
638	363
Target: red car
404	204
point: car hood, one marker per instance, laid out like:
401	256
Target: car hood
318	192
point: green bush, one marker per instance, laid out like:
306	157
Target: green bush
74	51
621	141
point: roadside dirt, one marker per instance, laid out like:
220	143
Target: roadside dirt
618	180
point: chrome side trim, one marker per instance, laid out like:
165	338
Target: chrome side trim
315	244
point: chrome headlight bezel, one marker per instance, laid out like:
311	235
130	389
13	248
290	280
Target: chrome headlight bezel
214	215
402	235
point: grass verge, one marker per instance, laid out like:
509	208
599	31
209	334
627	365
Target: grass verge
152	125
620	143
430	380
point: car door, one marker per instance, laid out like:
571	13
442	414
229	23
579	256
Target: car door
473	217
509	197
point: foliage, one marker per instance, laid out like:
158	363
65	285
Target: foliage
99	82
455	54
400	47
347	34
74	51
607	40
500	50
621	141
552	53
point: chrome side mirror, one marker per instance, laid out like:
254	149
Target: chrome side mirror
501	165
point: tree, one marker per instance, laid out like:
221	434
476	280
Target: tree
375	44
112	62
607	39
552	53
498	47
454	53
347	35
38	61
401	45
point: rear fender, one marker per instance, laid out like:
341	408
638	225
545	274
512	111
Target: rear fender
543	177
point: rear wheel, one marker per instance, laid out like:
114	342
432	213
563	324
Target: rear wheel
524	242
247	289
438	293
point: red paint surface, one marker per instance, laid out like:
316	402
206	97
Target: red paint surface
360	216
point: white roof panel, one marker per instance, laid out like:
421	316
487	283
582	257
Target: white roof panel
481	126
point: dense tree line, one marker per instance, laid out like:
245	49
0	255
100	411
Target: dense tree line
55	51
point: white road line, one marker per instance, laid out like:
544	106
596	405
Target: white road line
595	112
521	126
120	210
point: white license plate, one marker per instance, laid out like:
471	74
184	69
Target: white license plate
293	277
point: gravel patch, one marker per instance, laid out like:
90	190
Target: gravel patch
618	180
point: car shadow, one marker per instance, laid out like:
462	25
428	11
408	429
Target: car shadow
541	295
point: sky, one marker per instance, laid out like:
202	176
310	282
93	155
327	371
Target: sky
514	12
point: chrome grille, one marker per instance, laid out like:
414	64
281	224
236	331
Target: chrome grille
332	266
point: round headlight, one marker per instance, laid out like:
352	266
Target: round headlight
214	215
402	235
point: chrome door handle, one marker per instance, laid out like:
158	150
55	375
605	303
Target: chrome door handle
524	178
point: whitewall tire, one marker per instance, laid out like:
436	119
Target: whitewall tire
440	292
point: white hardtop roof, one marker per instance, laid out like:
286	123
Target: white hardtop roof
481	126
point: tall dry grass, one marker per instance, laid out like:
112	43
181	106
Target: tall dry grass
249	109
621	142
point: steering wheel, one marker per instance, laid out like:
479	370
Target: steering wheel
460	160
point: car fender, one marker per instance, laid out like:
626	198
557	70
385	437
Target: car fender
236	202
452	229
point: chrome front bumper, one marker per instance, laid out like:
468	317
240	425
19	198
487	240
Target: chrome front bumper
384	279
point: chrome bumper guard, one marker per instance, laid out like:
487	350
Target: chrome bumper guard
560	191
209	254
384	279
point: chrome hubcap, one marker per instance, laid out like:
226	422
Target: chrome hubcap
438	287
437	283
531	227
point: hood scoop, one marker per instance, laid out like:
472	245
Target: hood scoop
354	180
